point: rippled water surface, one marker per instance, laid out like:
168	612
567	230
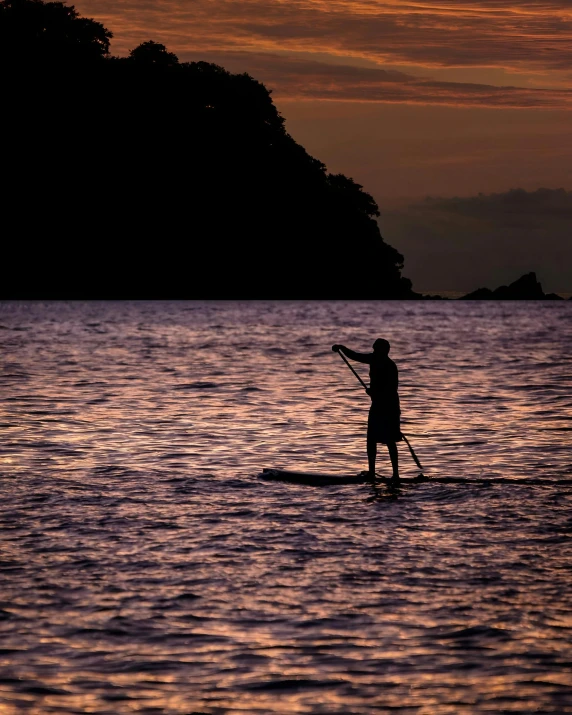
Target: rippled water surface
146	568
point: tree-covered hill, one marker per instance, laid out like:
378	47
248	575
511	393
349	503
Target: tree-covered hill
147	177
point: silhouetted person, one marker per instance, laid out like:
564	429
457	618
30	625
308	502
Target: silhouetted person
383	424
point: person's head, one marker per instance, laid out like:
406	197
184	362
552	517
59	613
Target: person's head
381	346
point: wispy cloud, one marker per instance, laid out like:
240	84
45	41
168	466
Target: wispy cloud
530	39
525	33
293	78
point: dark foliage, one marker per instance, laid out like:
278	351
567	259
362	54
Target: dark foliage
147	177
33	32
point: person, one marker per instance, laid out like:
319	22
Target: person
383	424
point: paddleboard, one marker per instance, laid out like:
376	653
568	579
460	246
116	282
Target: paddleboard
284	475
317	478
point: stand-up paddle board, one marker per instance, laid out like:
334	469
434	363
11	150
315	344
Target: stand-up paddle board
283	475
317	478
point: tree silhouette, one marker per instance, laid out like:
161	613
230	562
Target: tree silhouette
144	176
153	53
32	31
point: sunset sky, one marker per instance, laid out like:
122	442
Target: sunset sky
412	100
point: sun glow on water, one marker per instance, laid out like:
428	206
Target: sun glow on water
146	566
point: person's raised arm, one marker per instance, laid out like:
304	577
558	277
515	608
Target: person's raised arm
358	357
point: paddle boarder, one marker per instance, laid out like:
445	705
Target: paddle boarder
383	424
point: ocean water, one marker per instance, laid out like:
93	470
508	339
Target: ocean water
146	568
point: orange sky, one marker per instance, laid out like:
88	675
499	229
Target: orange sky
450	97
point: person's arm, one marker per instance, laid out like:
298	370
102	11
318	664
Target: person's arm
358	357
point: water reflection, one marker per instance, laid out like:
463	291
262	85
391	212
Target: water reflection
146	568
384	490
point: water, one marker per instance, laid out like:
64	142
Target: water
146	569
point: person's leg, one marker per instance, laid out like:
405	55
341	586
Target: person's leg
371	455
392	447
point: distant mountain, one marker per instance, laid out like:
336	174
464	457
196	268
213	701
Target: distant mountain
144	177
524	288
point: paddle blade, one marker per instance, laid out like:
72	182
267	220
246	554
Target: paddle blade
417	462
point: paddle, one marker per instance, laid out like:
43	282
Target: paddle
417	462
340	353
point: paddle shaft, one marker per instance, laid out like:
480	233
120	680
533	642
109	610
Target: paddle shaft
340	353
415	459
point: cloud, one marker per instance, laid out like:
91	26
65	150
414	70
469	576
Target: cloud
462	243
293	78
523	34
529	39
516	207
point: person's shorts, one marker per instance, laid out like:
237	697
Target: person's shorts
383	426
